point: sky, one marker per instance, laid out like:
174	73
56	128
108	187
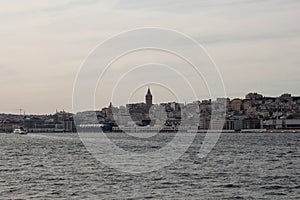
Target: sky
255	43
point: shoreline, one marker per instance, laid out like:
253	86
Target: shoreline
185	131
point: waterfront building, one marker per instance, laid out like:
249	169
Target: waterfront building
282	124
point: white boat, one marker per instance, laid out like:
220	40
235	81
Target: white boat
20	131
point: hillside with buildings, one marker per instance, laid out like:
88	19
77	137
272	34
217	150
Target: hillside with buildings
255	111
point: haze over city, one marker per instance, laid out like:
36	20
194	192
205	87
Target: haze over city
43	44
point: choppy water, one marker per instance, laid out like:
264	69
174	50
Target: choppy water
241	166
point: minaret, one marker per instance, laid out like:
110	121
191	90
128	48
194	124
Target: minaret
148	99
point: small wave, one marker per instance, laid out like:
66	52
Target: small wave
230	186
272	187
275	194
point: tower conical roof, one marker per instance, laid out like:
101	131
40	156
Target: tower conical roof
149	92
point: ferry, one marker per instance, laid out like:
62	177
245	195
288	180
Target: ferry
20	131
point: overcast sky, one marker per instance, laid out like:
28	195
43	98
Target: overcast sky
255	43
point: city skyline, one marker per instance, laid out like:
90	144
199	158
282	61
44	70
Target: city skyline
143	100
251	113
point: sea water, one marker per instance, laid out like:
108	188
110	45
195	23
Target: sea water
241	166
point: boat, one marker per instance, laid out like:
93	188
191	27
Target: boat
20	131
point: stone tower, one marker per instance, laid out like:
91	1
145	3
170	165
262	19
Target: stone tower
148	99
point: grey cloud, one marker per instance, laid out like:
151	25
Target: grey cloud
71	4
252	41
181	4
219	39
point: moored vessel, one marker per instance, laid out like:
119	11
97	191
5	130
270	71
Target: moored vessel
20	131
